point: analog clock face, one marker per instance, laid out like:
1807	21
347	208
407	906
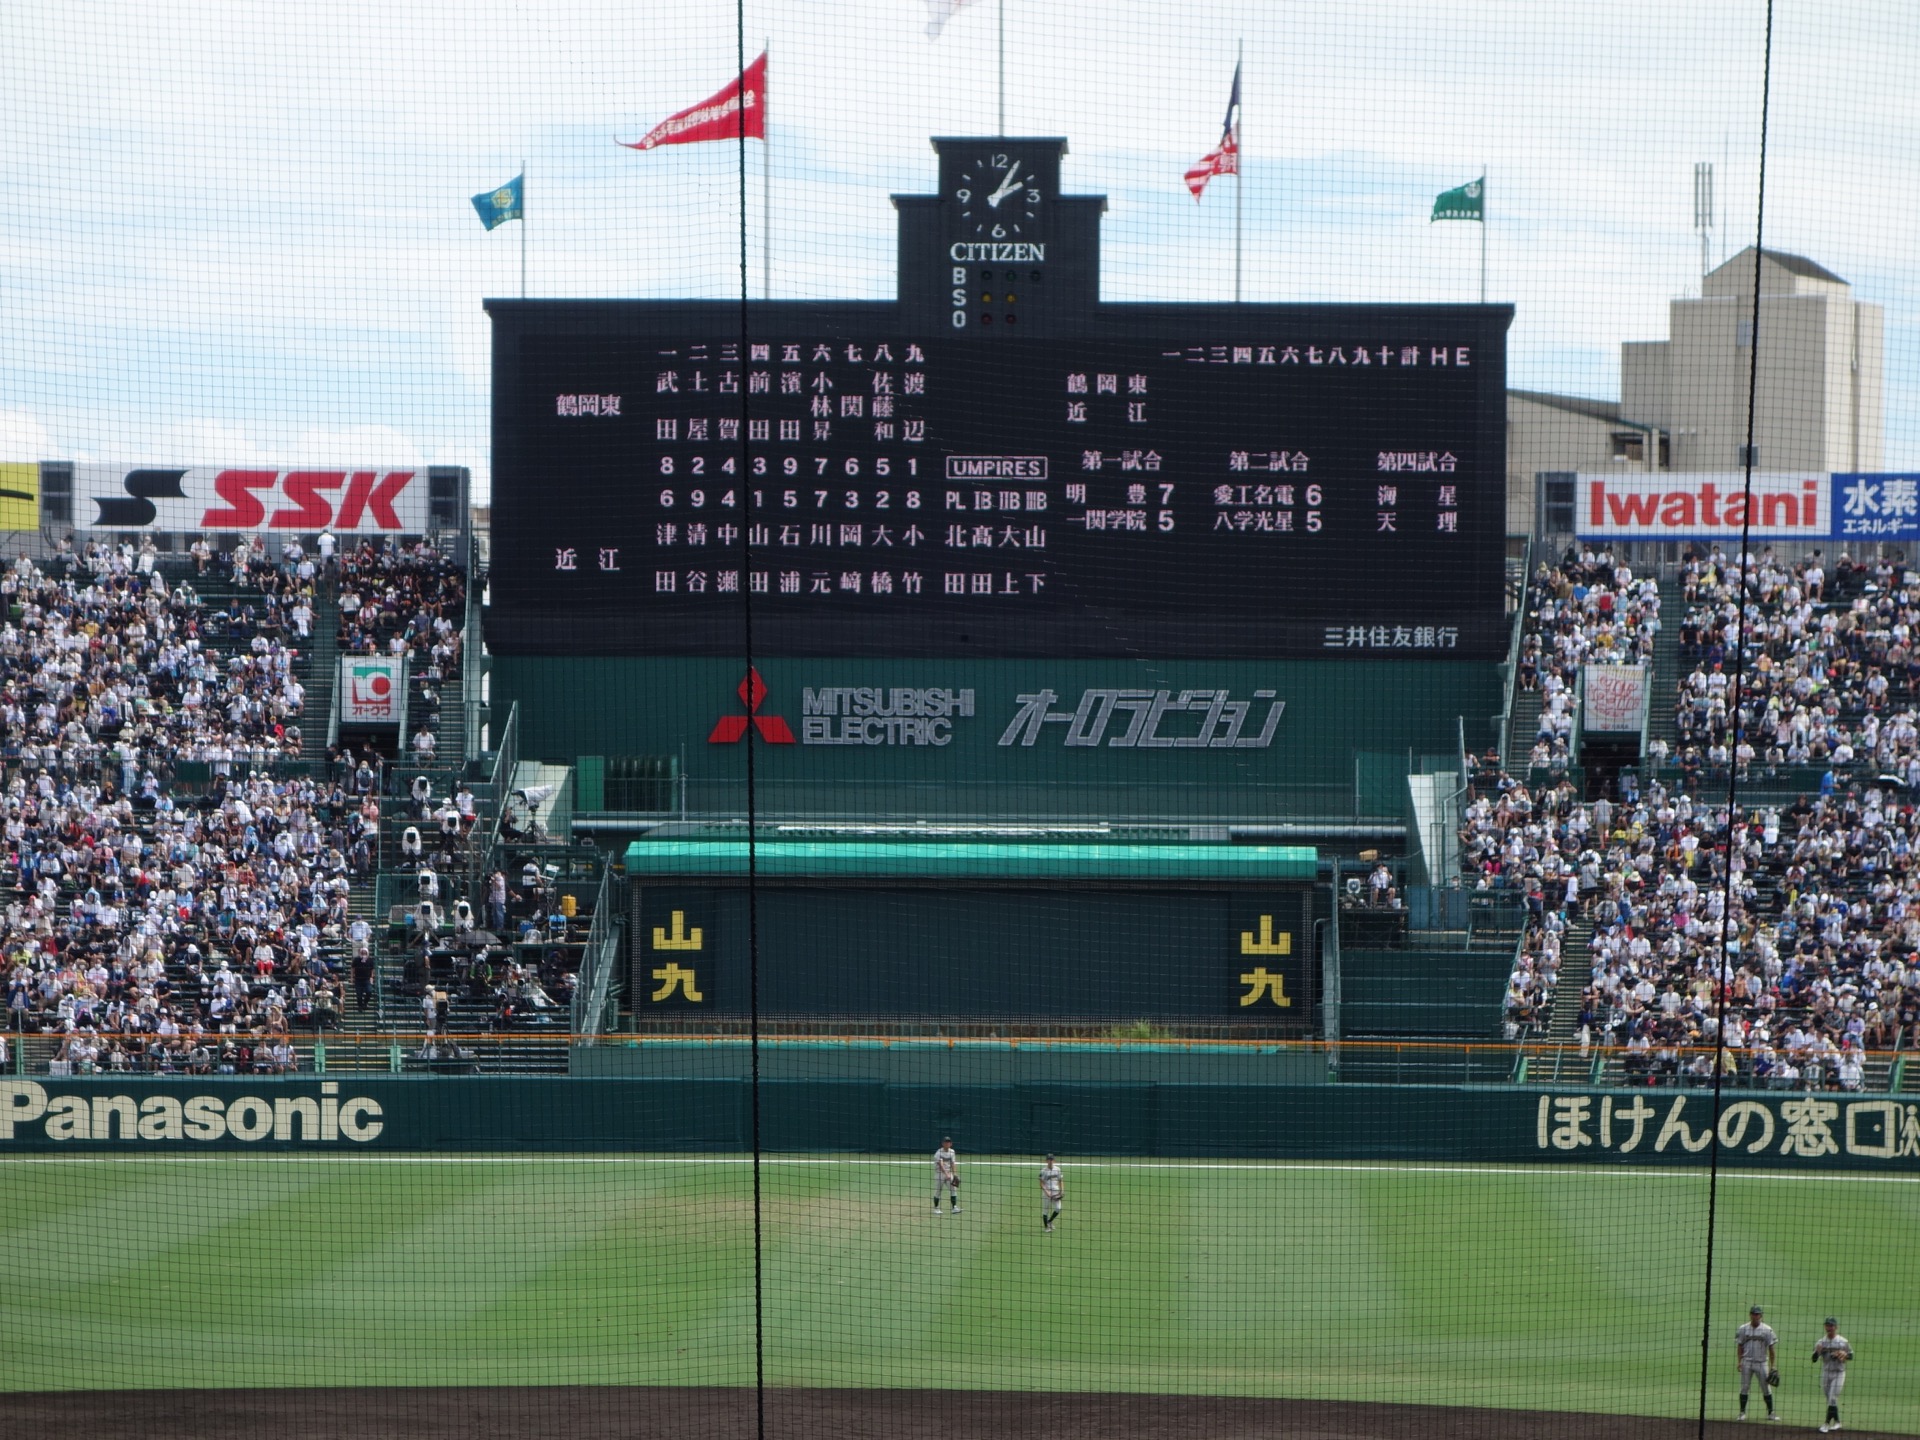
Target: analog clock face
999	197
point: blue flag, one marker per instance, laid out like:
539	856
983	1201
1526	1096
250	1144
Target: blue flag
496	207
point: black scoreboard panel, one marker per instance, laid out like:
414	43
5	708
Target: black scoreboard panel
1226	481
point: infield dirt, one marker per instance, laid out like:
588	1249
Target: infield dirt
695	1413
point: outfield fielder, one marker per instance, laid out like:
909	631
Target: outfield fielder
1052	1189
946	1177
1754	1342
1832	1352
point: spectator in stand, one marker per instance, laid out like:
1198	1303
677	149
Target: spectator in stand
497	902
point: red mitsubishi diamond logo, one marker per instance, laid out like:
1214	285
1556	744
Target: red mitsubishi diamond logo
729	729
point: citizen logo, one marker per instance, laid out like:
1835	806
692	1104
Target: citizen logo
1002	253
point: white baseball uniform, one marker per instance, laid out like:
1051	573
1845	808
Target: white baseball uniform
1052	1189
1755	1343
1832	1353
946	1175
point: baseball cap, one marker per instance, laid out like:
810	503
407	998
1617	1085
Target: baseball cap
1756	1310
1831	1321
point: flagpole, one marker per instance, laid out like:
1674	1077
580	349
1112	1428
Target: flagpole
523	229
1240	166
1483	234
766	183
1003	65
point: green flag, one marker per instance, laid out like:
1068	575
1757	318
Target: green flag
1466	202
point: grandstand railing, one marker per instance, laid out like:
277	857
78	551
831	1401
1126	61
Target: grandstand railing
1345	801
1496	1064
506	757
596	996
473	654
1516	636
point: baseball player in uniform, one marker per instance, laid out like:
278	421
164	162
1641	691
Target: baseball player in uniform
1052	1190
1755	1341
1831	1352
946	1177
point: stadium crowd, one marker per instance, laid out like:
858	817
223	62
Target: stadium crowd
1829	673
395	599
1818	900
1588	610
150	924
1822	942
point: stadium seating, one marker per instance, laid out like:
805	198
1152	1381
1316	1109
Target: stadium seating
188	877
1817	885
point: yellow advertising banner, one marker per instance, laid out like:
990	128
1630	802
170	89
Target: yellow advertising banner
19	496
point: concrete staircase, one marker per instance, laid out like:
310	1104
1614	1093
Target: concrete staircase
1521	729
1668	667
1564	1018
322	662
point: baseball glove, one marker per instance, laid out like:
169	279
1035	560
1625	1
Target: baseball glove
1773	1379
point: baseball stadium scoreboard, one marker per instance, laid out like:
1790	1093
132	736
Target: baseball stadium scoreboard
998	463
976	931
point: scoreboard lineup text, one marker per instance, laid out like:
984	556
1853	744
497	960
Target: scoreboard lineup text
998	463
1302	493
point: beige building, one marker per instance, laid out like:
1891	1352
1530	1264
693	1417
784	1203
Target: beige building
1568	433
1818	391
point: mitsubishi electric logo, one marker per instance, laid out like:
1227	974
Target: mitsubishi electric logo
882	715
730	729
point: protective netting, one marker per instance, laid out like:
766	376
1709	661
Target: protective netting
1231	753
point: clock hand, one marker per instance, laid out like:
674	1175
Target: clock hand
1007	187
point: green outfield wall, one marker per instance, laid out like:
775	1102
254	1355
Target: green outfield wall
886	1116
993	737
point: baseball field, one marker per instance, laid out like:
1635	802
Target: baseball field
1543	1289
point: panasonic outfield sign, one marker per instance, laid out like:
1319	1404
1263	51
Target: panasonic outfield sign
28	1111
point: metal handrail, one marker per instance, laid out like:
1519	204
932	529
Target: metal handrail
506	758
1516	635
593	988
1412	1060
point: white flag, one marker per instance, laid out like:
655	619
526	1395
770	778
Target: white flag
941	11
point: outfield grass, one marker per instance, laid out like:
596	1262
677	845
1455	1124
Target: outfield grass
1540	1287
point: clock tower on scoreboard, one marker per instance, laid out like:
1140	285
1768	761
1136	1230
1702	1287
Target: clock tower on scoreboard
999	250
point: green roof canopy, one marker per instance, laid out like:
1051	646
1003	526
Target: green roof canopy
956	860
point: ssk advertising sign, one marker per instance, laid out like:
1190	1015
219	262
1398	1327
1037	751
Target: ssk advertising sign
370	689
196	498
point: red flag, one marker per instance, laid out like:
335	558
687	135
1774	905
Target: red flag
737	112
1224	158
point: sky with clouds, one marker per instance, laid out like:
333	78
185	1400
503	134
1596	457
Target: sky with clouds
242	233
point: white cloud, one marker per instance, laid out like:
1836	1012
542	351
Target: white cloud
364	445
23	437
249	226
